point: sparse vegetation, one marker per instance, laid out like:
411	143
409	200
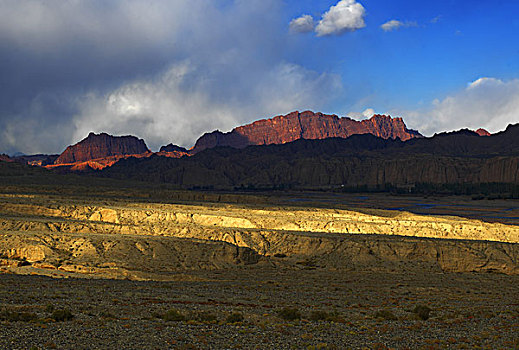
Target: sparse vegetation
50	308
16	316
289	314
320	315
61	315
207	317
107	314
234	318
173	315
386	315
422	311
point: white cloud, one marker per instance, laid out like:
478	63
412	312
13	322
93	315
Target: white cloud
345	16
396	24
488	103
303	24
162	110
366	114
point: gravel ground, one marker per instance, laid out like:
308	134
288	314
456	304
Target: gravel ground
359	310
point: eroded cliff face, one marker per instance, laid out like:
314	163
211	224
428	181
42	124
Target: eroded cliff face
305	125
116	239
97	146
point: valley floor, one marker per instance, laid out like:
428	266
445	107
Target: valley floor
359	310
86	267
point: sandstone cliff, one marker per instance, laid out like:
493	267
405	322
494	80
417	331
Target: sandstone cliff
111	237
305	125
97	146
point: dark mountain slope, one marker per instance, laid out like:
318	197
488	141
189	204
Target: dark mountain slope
361	160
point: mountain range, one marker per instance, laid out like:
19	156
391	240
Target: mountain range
98	151
359	161
305	151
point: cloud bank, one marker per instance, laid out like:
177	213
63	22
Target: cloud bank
488	103
166	71
162	110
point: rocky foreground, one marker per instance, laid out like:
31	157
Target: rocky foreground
263	308
105	268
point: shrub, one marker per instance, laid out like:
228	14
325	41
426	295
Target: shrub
173	315
62	315
14	316
49	308
422	311
207	317
386	315
289	314
318	315
234	317
107	314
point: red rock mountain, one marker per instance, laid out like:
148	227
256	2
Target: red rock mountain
482	132
97	146
5	158
305	125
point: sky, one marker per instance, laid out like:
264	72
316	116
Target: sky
168	71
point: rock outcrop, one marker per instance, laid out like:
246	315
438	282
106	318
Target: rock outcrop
37	159
173	151
5	158
173	148
99	237
305	125
482	132
97	146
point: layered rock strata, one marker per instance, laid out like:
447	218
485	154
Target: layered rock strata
97	146
305	125
162	238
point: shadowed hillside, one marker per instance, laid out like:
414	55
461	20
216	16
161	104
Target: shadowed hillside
361	161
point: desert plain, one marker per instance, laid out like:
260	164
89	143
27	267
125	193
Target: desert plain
107	265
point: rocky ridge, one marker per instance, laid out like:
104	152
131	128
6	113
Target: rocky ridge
98	146
37	159
305	125
114	237
457	158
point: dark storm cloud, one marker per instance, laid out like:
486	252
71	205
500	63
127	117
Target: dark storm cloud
163	70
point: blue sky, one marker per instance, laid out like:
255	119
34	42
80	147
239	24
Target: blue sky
168	71
447	45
